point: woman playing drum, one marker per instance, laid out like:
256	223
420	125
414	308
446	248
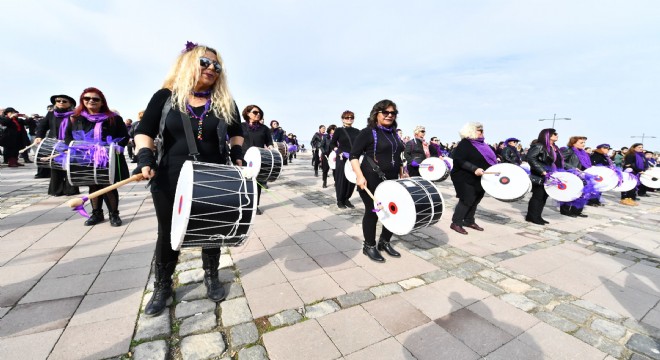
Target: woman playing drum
382	148
635	162
256	134
196	86
325	149
543	158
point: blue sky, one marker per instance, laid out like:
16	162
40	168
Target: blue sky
503	63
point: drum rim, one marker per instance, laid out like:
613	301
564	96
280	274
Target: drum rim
515	168
52	153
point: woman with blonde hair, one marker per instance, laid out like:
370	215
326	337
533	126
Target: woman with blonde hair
416	151
196	91
472	157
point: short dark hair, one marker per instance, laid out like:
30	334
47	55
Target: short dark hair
382	105
331	128
248	109
321	126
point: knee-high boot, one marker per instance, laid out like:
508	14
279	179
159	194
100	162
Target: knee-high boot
162	289
214	289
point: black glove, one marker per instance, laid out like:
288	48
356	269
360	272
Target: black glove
145	157
236	153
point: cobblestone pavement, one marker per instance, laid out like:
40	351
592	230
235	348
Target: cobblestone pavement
300	288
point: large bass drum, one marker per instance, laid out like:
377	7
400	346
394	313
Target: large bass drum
90	163
628	182
604	178
506	182
214	206
332	160
49	152
651	178
409	204
564	186
348	170
265	164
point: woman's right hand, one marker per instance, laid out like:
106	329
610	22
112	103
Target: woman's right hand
361	182
146	163
147	173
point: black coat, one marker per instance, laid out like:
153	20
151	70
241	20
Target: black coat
52	123
540	160
14	137
630	161
343	139
571	160
467	159
261	137
600	159
414	150
316	140
511	155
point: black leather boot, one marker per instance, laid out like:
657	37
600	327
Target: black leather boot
325	184
566	210
387	247
115	220
214	289
95	218
373	253
162	295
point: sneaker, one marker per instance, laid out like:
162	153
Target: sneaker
628	202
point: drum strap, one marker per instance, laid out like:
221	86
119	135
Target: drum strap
190	139
376	168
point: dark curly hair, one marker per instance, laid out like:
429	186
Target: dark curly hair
382	105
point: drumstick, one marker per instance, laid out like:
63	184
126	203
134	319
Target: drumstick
47	158
25	148
379	206
95	194
492	172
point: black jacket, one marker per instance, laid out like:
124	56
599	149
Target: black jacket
630	161
467	159
343	139
600	159
540	160
414	150
316	140
511	155
571	161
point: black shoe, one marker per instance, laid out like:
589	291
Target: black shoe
115	220
545	221
162	295
259	212
325	184
582	215
316	173
214	289
349	205
341	205
537	222
387	247
95	218
373	253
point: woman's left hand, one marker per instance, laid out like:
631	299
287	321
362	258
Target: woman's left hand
479	172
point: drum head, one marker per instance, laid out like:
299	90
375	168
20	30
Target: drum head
182	204
604	178
348	171
399	206
332	160
509	183
450	161
112	162
433	169
629	181
252	164
569	188
526	167
651	178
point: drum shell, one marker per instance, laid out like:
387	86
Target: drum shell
81	169
267	163
651	178
48	148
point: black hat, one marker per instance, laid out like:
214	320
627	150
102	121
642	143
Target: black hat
9	110
511	139
603	146
71	100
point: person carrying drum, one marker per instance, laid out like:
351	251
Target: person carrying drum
634	162
510	152
343	140
544	158
316	145
382	149
600	157
256	134
325	149
575	158
195	91
472	157
436	149
279	137
416	151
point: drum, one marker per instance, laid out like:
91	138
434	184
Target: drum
434	169
604	178
449	161
50	154
332	160
564	186
506	182
282	148
90	163
525	166
348	170
628	182
408	204
214	206
651	178
264	164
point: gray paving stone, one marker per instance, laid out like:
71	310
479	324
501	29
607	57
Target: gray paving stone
201	347
152	327
243	334
198	323
286	317
461	273
253	353
642	328
422	254
188	265
234	312
234	290
471	266
355	298
321	309
600	342
556	321
191	276
492	275
606	313
38	317
153	350
644	345
519	301
609	329
185	309
572	312
190	292
434	276
540	296
3	311
386	290
486	285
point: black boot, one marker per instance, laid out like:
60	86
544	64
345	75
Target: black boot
373	253
325	184
162	295
316	173
566	210
95	218
214	289
578	212
115	220
387	247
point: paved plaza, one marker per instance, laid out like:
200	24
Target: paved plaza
300	287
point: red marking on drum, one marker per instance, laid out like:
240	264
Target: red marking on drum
250	164
598	178
180	203
393	208
431	168
561	186
504	180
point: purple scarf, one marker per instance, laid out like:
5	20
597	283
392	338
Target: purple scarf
485	150
98	119
583	157
63	116
254	127
639	161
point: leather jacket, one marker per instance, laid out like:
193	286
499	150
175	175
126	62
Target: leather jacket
510	155
539	159
571	160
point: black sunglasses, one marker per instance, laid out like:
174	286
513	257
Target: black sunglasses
90	98
422	131
204	62
61	101
348	117
255	112
386	113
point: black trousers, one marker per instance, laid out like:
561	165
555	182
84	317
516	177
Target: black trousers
370	219
315	159
163	203
343	188
325	167
467	205
536	202
413	170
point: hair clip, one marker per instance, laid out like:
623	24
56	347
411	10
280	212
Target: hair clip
189	46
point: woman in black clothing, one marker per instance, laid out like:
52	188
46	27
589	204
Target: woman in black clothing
12	140
196	85
326	149
279	136
382	147
472	157
575	158
634	162
416	151
54	126
256	134
93	116
343	140
544	158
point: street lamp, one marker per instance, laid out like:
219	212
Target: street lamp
554	118
643	136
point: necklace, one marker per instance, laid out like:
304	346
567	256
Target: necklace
394	144
200	119
203	94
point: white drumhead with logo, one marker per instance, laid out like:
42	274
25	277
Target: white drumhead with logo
434	169
564	186
348	170
506	182
604	178
651	178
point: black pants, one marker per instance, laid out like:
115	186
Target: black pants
315	159
163	203
413	170
536	202
325	167
467	205
343	188
370	219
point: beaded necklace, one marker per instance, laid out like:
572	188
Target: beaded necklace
200	119
394	143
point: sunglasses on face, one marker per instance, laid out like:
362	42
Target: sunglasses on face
255	112
348	117
555	134
422	131
204	62
91	99
61	101
387	113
